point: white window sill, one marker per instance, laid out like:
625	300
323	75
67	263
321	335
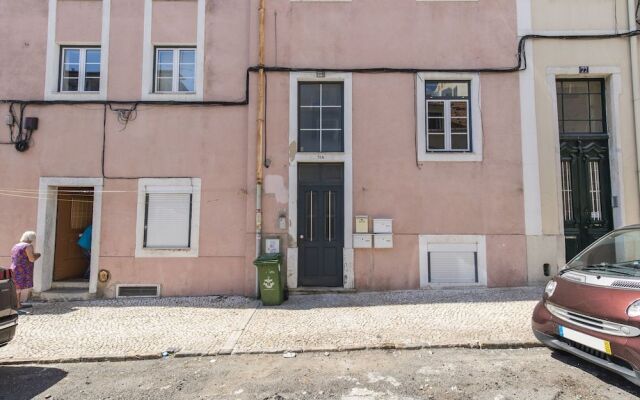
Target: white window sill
166	253
76	96
172	96
446	156
437	286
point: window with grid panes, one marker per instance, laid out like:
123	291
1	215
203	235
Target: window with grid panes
175	70
448	112
320	117
80	69
581	106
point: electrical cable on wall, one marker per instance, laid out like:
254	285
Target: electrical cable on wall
22	138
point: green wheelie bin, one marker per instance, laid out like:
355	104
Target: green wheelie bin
270	283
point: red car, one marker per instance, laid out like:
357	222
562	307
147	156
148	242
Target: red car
8	307
592	308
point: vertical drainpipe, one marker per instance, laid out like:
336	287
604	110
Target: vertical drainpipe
260	125
635	79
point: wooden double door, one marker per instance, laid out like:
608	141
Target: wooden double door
320	224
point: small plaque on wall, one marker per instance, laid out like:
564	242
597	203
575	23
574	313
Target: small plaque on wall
272	246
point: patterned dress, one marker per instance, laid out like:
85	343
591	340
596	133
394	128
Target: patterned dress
22	267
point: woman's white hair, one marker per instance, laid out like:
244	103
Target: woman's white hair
28	237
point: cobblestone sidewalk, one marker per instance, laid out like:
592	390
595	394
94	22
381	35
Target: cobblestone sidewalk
114	329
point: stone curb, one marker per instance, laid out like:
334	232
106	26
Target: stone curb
340	349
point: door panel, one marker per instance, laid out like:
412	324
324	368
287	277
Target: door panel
586	192
320	224
74	214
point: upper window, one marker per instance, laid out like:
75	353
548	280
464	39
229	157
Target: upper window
581	106
175	70
80	69
448	116
320	117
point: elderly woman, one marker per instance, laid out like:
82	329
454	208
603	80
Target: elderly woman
22	259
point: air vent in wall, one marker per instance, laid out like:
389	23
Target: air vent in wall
138	291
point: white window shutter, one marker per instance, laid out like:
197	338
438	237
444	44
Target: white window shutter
168	220
452	267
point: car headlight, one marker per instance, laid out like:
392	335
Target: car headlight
634	309
551	287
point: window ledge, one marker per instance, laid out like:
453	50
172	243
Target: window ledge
173	97
442	156
166	253
75	96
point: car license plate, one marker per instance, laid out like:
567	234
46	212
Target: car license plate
587	340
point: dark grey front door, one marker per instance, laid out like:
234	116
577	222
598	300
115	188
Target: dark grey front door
320	224
586	192
584	160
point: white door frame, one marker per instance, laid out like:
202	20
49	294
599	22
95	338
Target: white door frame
297	157
46	229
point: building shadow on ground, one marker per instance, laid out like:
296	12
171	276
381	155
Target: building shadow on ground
602	374
27	382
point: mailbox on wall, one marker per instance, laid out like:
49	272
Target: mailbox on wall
383	241
382	225
362	241
383	233
362	224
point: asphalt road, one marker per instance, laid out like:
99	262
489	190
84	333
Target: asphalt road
424	374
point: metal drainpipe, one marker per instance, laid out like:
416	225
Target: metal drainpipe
260	136
635	79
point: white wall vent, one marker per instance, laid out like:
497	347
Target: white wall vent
137	291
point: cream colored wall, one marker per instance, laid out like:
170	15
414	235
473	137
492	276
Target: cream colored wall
590	17
585	15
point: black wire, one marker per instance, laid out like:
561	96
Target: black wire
104	136
520	65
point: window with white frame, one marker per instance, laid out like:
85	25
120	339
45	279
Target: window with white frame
167	220
168	215
80	69
448	113
175	70
452	260
320	116
453	263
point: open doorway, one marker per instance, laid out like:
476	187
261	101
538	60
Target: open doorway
74	218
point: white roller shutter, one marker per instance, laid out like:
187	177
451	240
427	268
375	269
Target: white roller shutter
168	220
453	263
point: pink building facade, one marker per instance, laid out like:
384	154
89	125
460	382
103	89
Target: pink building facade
147	131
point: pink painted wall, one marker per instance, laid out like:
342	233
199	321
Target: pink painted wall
398	33
174	22
22	74
217	144
79	22
125	50
452	198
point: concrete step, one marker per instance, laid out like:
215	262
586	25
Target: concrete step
319	290
69	294
74	284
